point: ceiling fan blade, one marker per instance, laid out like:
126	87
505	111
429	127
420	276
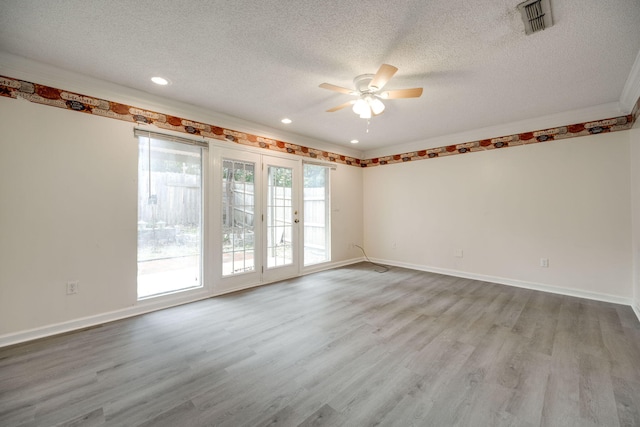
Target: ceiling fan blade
402	93
340	107
336	88
383	75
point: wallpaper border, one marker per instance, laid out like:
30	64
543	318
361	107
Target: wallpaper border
534	137
46	95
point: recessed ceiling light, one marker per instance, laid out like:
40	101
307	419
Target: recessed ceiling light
286	121
160	81
354	141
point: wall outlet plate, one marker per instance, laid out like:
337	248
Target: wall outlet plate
72	287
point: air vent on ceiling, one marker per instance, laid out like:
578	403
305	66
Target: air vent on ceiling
536	15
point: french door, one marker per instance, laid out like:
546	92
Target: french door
281	218
257	219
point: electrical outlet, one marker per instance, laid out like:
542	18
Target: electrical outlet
544	262
458	253
72	287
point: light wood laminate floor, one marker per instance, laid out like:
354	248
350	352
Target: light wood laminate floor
346	347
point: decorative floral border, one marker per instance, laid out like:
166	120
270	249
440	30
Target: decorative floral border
15	88
545	135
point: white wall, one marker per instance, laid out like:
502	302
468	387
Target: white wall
68	212
68	200
346	212
567	201
634	135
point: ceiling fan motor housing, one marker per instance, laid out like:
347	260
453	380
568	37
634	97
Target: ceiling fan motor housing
362	82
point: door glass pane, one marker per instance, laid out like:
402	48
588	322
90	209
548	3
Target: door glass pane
238	207
316	214
279	217
169	217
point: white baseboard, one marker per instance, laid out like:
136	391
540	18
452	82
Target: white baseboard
329	265
517	283
144	306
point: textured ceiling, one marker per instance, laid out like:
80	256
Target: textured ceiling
263	60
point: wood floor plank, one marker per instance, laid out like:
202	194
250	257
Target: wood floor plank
489	408
325	416
93	418
452	403
562	394
343	347
321	385
184	415
626	393
597	401
363	404
409	412
284	417
509	315
528	377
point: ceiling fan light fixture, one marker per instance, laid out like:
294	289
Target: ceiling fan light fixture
366	114
360	106
377	107
367	106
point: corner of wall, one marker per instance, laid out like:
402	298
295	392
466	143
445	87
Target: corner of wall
634	151
631	91
636	308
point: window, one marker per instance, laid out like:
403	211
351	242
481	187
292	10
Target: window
169	216
317	224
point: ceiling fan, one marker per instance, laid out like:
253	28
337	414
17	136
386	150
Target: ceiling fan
368	90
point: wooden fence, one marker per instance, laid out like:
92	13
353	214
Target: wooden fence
174	200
